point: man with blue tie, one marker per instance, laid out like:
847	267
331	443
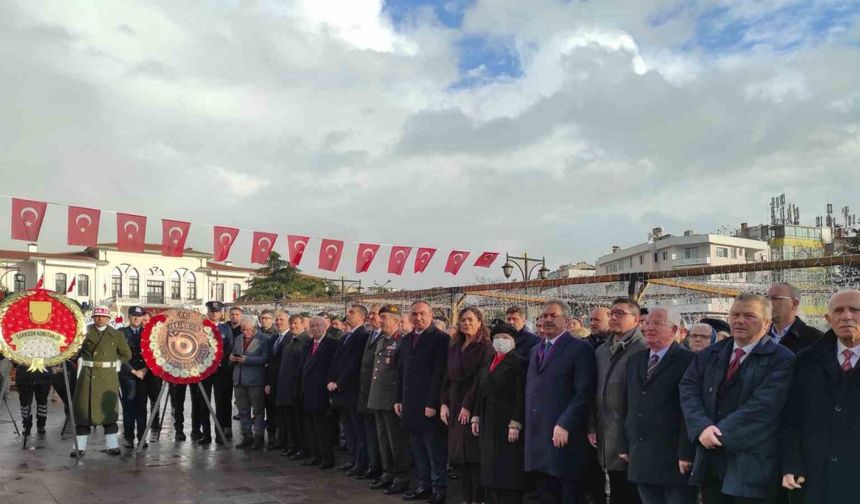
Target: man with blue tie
559	388
274	424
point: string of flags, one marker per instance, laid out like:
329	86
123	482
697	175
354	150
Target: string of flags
84	223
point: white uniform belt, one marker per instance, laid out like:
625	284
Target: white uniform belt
99	364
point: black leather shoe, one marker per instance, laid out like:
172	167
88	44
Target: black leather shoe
418	494
326	465
228	433
113	451
286	453
370	474
345	467
299	455
245	443
128	442
352	473
195	435
380	484
77	454
311	462
207	440
437	498
180	436
396	489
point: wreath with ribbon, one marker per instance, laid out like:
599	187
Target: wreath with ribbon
181	346
40	328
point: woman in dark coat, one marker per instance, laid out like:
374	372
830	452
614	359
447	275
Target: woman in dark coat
498	420
470	351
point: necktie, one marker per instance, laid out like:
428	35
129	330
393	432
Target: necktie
652	364
544	352
316	345
735	363
846	363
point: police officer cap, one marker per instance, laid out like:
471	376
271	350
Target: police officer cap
136	311
214	306
390	309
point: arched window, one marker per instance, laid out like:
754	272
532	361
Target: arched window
60	284
219	292
116	283
133	283
20	282
190	286
237	291
83	285
175	286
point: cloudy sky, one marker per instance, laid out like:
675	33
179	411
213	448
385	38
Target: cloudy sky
560	128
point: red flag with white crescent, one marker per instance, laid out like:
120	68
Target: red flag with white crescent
261	246
173	236
130	232
486	259
330	251
397	259
366	254
455	261
27	217
297	245
223	238
422	258
83	226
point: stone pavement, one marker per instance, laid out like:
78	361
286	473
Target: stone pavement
168	472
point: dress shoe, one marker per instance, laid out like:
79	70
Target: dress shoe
417	494
128	442
113	451
380	484
195	436
180	436
204	441
259	444
371	474
245	443
228	433
437	498
299	455
311	462
77	454
352	473
286	453
345	467
235	417
326	465
396	489
218	440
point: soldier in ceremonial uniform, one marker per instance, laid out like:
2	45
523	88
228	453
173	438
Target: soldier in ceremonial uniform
95	402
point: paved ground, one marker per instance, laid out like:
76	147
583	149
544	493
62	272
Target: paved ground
166	472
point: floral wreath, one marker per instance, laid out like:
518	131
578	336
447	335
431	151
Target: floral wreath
40	328
181	346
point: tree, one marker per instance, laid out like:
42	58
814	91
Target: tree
278	279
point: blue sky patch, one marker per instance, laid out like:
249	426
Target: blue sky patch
448	12
482	60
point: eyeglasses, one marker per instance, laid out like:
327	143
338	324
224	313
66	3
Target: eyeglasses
618	313
777	298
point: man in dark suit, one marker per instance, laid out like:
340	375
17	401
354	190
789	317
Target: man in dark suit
274	423
289	389
820	449
559	387
787	329
343	385
524	339
423	361
374	460
654	441
319	420
732	396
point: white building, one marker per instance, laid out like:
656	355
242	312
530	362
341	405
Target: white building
104	275
578	270
667	252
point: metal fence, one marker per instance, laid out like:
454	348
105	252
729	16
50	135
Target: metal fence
694	292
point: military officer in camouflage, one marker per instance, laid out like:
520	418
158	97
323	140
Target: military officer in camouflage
96	395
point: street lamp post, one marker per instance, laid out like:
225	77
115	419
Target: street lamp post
525	269
344	282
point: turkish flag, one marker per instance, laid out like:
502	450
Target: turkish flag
130	232
27	217
173	236
261	246
397	259
83	226
72	285
422	258
297	245
223	237
366	254
330	252
486	259
455	260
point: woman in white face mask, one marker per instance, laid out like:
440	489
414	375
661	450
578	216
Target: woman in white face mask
498	420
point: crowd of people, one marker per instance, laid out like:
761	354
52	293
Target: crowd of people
632	406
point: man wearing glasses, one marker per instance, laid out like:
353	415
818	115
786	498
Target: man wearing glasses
787	329
606	432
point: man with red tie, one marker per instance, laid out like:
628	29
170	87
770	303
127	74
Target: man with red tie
820	449
732	396
319	423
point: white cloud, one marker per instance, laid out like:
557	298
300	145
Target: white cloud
238	184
